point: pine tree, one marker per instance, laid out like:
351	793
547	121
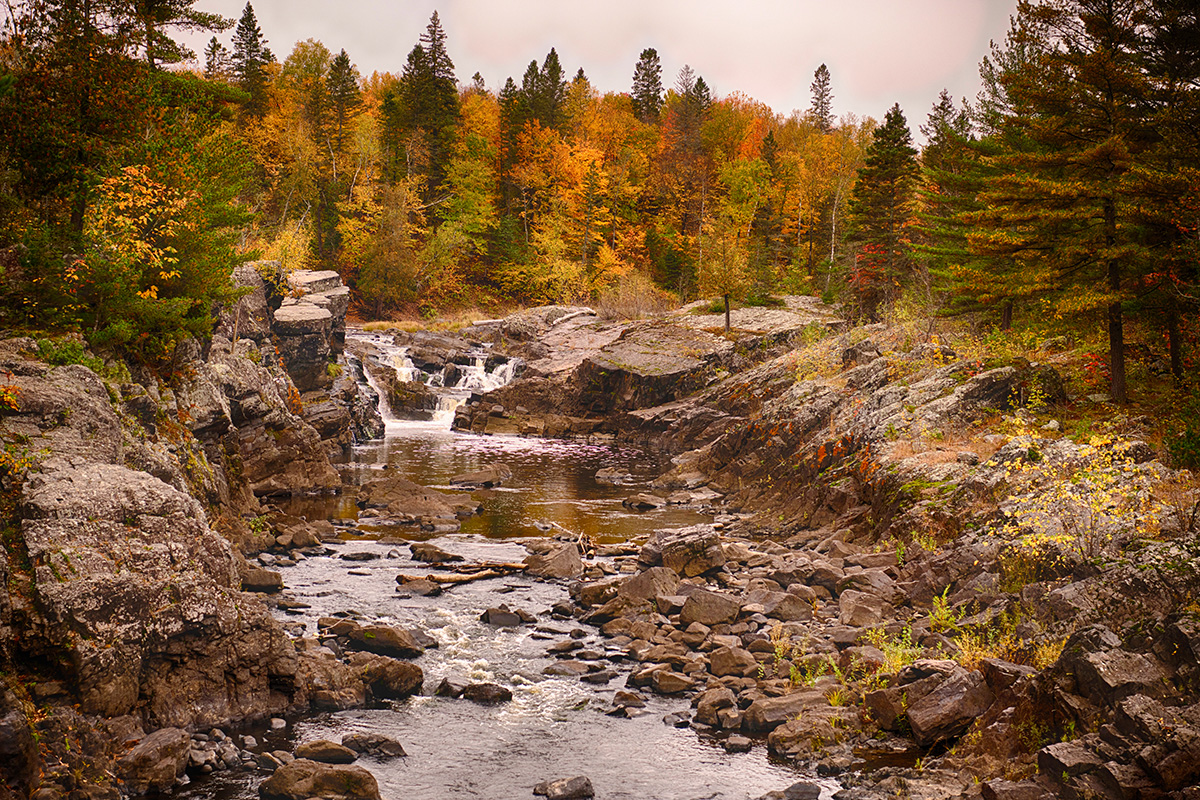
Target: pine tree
881	207
434	43
345	98
1064	206
422	117
647	86
822	100
250	55
950	181
154	16
218	66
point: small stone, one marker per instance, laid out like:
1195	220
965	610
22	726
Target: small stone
738	744
577	788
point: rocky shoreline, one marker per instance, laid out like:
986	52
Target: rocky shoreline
914	583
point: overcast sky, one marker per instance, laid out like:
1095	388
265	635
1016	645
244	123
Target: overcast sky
879	52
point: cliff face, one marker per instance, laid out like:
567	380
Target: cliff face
120	597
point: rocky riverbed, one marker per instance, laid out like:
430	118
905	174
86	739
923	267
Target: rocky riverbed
900	572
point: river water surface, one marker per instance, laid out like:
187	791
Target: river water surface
554	727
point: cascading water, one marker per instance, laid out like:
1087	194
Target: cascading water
452	386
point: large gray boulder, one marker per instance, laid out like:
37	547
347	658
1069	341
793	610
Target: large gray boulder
145	597
156	762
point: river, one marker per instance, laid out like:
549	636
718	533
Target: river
554	727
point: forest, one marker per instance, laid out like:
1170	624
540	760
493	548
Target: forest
1067	194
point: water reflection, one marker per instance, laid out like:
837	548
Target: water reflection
553	482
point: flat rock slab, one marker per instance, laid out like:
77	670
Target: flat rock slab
326	752
308	281
797	312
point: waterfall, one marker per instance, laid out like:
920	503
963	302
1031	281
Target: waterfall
466	379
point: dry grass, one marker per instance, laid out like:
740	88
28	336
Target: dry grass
633	296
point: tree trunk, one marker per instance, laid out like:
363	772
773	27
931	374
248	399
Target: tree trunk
1116	322
727	312
1173	341
1006	315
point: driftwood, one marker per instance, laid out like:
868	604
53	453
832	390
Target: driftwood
466	573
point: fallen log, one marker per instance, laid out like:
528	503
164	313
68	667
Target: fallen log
466	574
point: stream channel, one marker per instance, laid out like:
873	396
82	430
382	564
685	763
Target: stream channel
554	727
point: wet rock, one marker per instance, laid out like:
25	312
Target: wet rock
421	587
950	708
385	641
737	744
431	553
562	562
388	678
326	752
803	790
303	779
487	693
611	476
486	478
578	788
447	688
359	556
374	745
709	608
501	617
644	502
156	762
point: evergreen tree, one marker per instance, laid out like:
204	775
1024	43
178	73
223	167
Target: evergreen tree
1064	208
647	86
822	100
545	92
250	55
423	116
154	16
881	208
950	181
218	66
434	43
345	99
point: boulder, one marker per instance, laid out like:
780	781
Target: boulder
302	779
487	693
709	608
562	562
156	762
733	661
686	551
861	610
950	708
578	788
388	678
768	713
711	702
1111	676
485	478
501	617
326	752
385	641
665	681
374	745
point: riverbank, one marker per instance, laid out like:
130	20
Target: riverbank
898	570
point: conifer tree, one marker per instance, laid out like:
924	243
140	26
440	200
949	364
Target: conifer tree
822	100
155	16
345	98
1063	207
218	66
647	86
881	206
250	55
